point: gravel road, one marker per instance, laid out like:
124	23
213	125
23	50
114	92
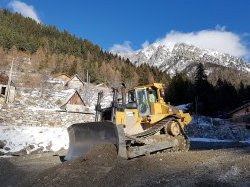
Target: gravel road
198	167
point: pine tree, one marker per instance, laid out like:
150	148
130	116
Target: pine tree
177	90
201	82
203	91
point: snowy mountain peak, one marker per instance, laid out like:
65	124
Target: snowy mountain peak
177	57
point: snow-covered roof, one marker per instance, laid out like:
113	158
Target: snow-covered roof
73	78
58	75
239	108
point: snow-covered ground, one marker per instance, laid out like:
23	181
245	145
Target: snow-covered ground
208	140
25	140
217	129
33	124
211	140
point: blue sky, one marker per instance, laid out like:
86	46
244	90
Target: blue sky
131	23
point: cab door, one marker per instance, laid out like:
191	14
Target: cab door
142	102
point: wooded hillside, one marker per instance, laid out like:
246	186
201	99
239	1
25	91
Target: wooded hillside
57	51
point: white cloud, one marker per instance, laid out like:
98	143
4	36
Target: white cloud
25	10
218	39
122	48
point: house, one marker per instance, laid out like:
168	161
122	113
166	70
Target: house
75	82
4	88
62	77
241	115
59	79
74	103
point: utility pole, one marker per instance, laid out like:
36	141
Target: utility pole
9	82
87	76
196	108
196	104
83	76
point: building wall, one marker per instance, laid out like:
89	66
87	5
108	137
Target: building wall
3	92
12	94
75	108
76	100
241	112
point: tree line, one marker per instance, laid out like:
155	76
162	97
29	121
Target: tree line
206	98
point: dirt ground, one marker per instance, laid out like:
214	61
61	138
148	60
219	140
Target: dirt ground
220	167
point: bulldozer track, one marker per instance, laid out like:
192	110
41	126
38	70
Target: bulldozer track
156	128
183	144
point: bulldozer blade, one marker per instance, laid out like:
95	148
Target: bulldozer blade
84	136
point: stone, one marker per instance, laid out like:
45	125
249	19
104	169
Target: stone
19	153
31	146
6	148
2	144
2	153
39	150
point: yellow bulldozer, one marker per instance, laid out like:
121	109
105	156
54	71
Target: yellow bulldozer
143	125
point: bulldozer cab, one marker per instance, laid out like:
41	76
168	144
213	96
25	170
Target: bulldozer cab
141	99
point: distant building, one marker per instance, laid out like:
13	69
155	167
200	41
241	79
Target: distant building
59	79
62	77
75	82
241	115
4	88
74	103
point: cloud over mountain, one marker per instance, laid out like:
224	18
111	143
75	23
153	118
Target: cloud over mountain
217	39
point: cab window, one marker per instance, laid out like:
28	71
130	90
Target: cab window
131	96
142	102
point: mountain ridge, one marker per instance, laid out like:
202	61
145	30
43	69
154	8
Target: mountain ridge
175	58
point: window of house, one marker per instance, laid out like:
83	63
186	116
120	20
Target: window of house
3	90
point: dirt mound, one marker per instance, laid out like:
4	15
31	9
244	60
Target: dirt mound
83	171
101	155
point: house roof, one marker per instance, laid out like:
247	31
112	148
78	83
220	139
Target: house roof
239	108
71	95
60	74
74	77
4	79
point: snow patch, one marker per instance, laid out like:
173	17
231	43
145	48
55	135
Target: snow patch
33	138
208	140
183	107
